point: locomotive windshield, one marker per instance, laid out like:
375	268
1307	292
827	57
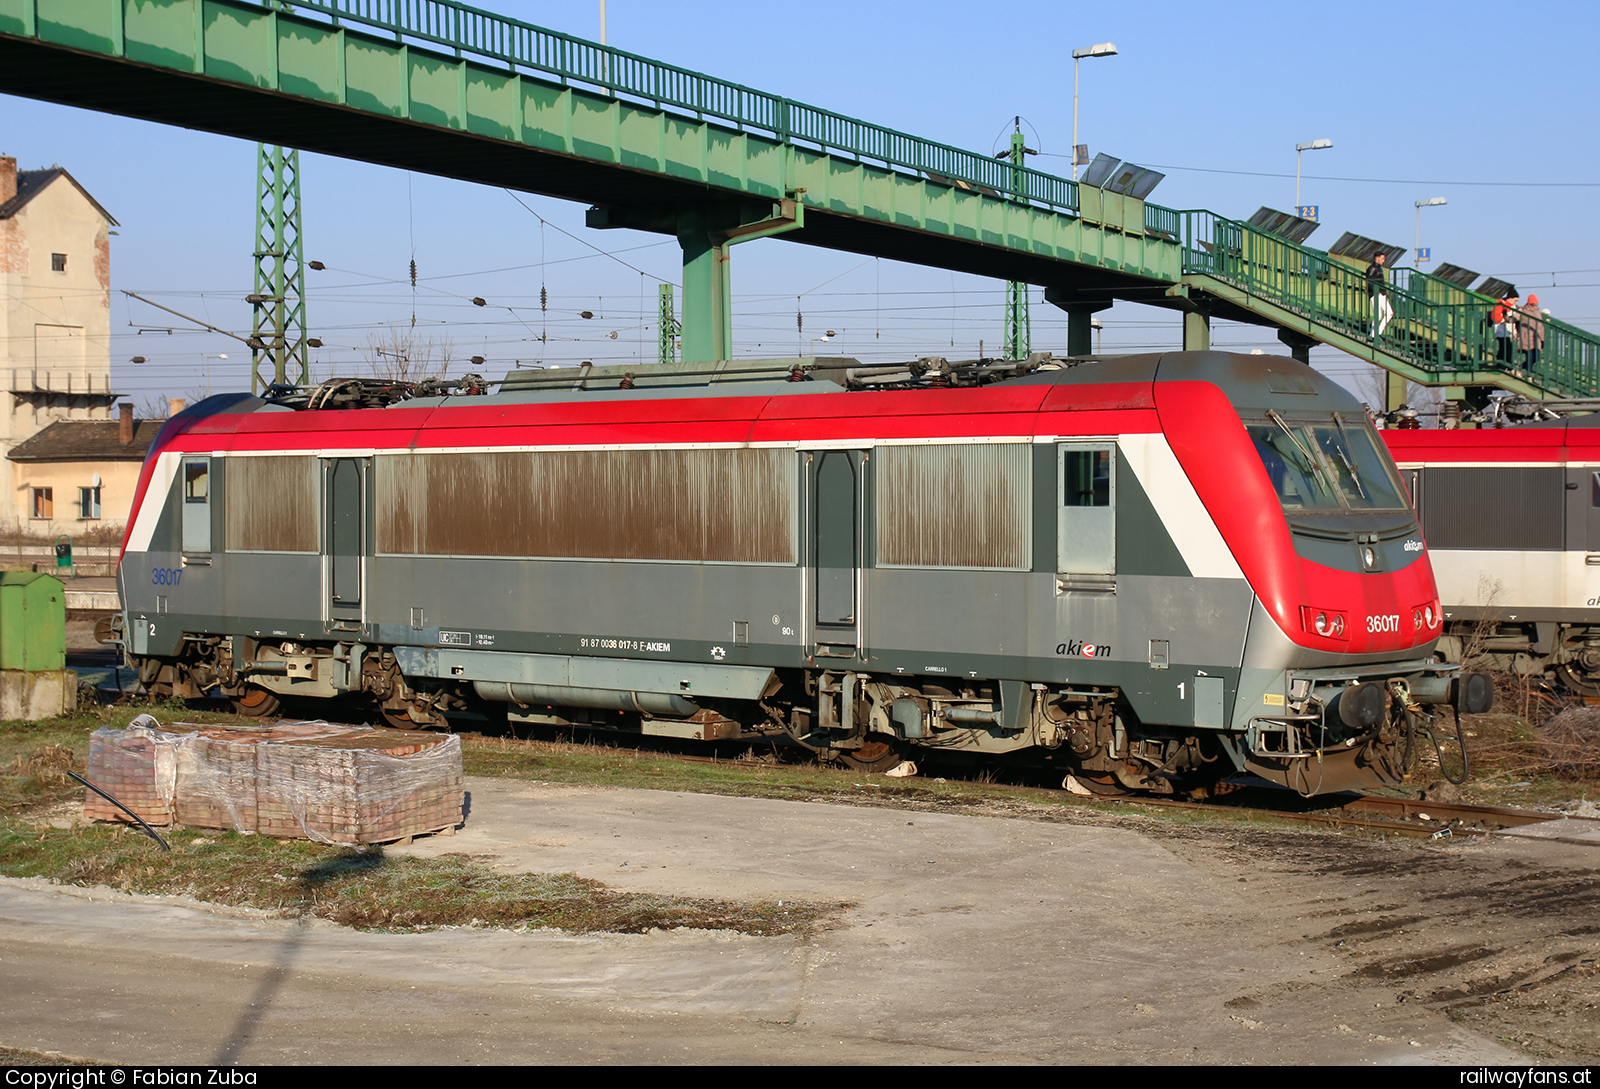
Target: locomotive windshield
1331	464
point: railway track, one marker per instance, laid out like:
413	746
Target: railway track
1398	816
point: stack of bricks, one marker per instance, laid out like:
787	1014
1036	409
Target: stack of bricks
370	787
217	779
138	767
296	780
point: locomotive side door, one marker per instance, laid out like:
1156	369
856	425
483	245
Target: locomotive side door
834	479
1086	515
345	539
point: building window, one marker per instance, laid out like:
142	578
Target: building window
43	503
58	262
89	502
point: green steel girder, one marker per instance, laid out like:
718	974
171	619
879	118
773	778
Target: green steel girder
275	76
279	302
667	327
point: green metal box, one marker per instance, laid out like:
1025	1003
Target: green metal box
33	622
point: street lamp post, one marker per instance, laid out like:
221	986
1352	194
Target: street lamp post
1416	241
1104	49
209	358
1299	150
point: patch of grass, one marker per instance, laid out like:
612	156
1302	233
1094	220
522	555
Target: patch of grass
16	1056
35	756
565	762
1514	763
362	888
590	765
367	889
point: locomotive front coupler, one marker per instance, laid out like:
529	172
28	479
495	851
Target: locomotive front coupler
1469	693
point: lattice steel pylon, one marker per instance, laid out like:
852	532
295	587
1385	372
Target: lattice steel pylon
278	332
668	328
1019	330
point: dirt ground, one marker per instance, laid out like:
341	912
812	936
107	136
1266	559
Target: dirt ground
1355	935
1498	935
1005	933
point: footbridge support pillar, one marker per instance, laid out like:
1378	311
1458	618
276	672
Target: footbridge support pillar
705	234
1080	317
1299	344
1394	387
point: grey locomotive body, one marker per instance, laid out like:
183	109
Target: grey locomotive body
1097	563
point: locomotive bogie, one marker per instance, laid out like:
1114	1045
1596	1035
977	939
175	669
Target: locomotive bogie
1091	566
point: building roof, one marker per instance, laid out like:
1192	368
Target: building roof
87	440
30	183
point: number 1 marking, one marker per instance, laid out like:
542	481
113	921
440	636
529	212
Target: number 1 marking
1180	690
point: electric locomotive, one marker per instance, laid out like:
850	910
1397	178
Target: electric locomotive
1151	571
1512	521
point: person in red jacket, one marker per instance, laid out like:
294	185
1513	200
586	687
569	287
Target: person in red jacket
1504	317
1530	331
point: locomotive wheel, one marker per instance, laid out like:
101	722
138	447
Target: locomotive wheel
877	754
398	719
1577	679
256	702
1105	784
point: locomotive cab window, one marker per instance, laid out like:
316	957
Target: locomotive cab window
196	505
1086	521
1329	464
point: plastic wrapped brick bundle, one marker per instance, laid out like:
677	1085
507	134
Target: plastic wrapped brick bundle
218	784
370	786
217	770
139	767
313	780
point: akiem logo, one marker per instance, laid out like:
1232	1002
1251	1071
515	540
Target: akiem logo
1079	649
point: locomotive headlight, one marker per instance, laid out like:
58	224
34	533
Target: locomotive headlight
1327	623
1369	556
1425	617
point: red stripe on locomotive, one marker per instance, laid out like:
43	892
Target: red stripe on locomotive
1215	451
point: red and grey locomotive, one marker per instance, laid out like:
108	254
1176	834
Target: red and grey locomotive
1152	571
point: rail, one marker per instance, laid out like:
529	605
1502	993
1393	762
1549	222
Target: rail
1436	331
467	30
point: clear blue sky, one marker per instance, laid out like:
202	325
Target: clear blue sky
1419	99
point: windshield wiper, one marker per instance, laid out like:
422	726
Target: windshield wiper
1311	459
1355	477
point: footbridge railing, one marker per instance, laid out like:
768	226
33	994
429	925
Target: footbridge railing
465	30
1435	331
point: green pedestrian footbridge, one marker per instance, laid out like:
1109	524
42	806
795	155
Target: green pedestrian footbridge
446	89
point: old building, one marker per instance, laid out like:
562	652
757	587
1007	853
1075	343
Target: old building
55	321
78	476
